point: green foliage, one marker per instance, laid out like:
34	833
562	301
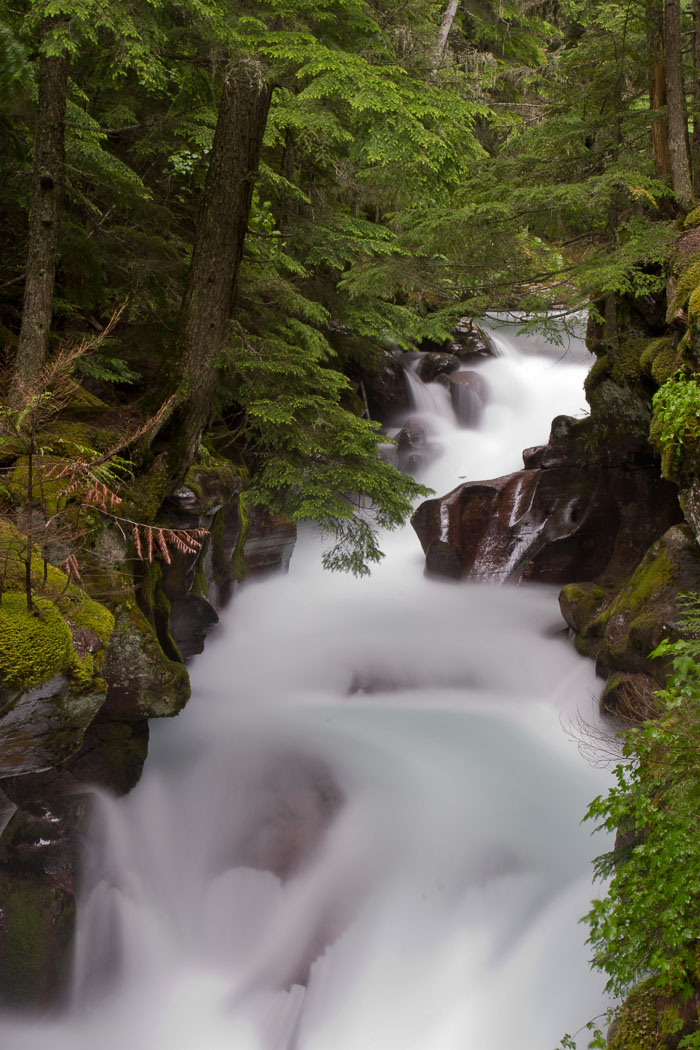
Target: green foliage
314	459
649	924
675	427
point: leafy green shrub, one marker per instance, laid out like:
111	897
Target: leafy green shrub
647	928
675	426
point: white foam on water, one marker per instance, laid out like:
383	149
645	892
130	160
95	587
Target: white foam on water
434	902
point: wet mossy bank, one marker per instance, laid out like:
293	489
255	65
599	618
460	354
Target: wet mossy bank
81	673
642	391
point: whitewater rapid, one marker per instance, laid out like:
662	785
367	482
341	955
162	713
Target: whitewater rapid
396	750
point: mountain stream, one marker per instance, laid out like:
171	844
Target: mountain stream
363	833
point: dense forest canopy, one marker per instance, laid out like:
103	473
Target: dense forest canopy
355	175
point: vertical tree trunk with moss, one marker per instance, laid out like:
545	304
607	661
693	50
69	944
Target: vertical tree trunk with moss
678	144
695	143
657	85
207	307
47	186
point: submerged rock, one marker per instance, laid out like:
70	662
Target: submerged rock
414	447
468	395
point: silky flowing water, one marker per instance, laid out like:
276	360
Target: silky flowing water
395	751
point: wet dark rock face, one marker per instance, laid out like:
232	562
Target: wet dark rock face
43	817
554	521
62	740
432	366
269	541
469	342
386	388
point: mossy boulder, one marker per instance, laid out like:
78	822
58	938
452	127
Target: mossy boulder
659	359
618	413
141	681
36	934
51	662
581	605
649	1020
621	626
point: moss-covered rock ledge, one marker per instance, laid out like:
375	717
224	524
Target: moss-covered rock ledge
52	659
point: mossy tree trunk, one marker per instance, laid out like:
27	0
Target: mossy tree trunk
678	145
657	85
695	144
208	303
47	186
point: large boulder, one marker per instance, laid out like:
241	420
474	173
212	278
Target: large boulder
386	388
552	525
52	661
555	521
433	365
620	626
142	681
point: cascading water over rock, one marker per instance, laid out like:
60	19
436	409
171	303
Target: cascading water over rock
363	832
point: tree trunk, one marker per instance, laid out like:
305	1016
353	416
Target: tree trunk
657	85
695	146
678	144
47	186
207	307
441	42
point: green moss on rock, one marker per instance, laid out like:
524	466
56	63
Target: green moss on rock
649	1020
156	606
659	359
599	371
33	648
636	1026
142	681
626	367
688	281
36	927
581	604
239	564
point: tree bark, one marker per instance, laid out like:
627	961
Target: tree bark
44	215
208	303
695	144
678	145
441	42
657	85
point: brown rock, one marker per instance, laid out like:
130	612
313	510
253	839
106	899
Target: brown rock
432	365
552	525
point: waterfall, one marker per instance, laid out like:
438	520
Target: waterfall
363	832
